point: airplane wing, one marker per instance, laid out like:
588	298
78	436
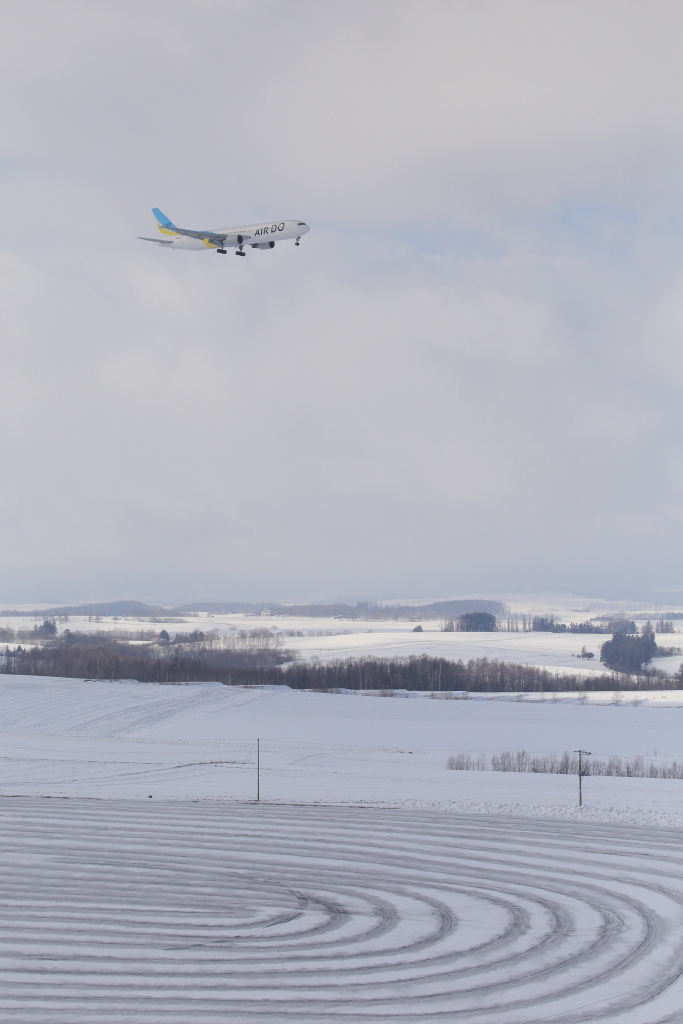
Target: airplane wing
159	241
204	236
225	238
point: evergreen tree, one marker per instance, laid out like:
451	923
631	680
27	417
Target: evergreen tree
477	622
625	653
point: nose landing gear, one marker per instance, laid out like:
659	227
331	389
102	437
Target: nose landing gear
298	240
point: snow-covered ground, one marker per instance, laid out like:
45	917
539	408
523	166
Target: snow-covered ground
391	640
328	639
113	740
175	913
357	890
370	884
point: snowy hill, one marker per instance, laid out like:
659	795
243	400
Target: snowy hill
83	738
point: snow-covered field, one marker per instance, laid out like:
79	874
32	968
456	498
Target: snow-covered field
552	650
180	913
357	890
330	639
65	737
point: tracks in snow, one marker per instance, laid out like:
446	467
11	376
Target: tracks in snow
205	913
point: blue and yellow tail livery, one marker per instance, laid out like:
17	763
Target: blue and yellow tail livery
166	226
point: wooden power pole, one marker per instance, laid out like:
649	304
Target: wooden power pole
581	754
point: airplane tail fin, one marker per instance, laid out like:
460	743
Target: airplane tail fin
166	226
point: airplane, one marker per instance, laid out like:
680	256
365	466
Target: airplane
258	236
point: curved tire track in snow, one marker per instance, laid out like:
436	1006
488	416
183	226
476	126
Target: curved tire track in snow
184	913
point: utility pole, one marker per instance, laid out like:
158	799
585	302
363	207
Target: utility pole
258	771
581	753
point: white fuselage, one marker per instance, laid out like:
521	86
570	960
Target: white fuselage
252	234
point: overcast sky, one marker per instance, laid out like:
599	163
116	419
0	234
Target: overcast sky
468	377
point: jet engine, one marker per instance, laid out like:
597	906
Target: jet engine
263	245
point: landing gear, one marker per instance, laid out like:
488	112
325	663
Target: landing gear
223	252
240	252
298	240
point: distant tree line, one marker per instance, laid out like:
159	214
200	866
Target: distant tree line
482	675
92	658
366	609
125	608
549	624
360	610
373	610
669	615
565	764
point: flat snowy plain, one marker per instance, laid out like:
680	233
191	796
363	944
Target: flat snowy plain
68	737
360	890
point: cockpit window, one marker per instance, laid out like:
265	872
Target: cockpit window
301	224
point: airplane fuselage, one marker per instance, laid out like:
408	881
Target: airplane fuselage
255	235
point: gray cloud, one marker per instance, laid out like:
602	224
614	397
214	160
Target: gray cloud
467	378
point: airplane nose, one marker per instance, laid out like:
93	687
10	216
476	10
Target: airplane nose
303	228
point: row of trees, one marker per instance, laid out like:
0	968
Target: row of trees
485	622
90	657
483	675
549	624
566	764
256	664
